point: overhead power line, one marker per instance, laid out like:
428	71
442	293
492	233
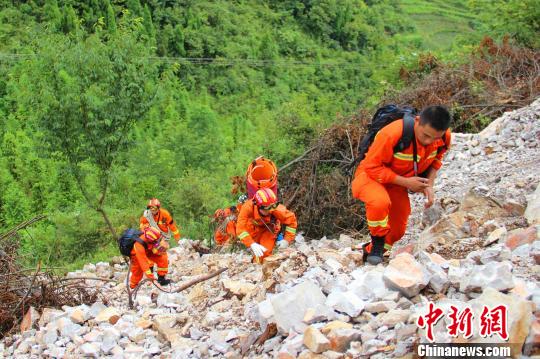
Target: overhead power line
209	61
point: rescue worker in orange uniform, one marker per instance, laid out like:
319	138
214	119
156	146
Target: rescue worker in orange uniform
226	219
144	256
226	230
382	180
160	218
260	221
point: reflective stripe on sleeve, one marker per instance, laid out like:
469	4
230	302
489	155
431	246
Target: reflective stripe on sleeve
405	156
290	230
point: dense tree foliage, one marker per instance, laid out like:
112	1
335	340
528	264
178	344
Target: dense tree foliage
106	103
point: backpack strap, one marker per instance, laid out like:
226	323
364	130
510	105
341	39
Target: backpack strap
415	156
140	241
137	239
407	137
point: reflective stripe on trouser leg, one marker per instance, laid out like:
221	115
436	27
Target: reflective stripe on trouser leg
378	228
162	263
383	223
377	202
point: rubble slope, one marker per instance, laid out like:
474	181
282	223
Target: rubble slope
479	245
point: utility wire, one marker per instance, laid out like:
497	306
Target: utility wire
209	61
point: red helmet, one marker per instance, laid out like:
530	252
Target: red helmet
265	197
154	202
152	234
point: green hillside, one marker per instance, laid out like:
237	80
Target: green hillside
439	22
106	103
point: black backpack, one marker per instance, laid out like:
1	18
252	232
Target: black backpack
384	116
128	239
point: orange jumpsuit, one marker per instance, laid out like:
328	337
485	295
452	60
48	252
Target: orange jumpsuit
223	235
252	227
387	205
143	259
164	221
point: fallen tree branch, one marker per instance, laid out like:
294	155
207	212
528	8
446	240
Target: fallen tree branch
269	332
351	146
493	105
88	278
20	226
132	294
199	279
29	289
291	199
297	158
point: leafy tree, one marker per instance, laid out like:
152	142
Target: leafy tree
178	41
90	11
148	24
268	52
110	19
92	95
52	14
134	6
70	22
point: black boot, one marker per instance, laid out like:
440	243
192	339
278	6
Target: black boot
365	252
162	280
376	253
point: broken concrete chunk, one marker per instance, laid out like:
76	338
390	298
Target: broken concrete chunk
110	314
315	341
532	212
50	315
392	318
346	302
95	309
90	350
291	305
336	324
379	307
30	319
340	339
498	253
238	287
405	274
498	235
369	285
496	275
319	314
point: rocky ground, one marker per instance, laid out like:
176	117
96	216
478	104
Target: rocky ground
480	245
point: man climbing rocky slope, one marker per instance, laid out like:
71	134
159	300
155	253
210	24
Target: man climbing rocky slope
480	245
